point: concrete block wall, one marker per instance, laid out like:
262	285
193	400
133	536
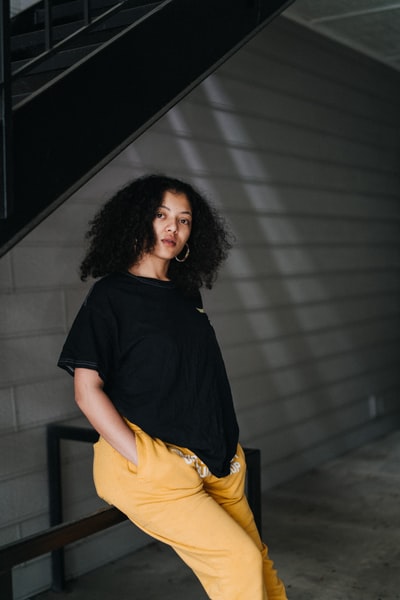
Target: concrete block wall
296	140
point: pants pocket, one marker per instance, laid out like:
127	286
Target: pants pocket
141	443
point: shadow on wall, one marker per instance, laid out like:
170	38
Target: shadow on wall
306	308
299	309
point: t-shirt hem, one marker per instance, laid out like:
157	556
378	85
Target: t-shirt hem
71	365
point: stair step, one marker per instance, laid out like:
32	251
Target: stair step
73	10
61	60
71	53
37	45
26	86
27	45
33	17
44	72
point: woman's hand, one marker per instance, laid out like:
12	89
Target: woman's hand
102	414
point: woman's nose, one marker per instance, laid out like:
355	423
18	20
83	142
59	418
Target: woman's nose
171	226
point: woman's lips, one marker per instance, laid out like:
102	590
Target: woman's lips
169	242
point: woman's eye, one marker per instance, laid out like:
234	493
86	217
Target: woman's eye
185	221
159	215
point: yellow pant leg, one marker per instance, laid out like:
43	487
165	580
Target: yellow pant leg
229	492
166	498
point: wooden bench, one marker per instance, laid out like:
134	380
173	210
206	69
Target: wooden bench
61	534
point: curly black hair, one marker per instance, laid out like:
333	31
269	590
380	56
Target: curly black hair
123	229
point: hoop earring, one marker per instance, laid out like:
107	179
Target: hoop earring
181	260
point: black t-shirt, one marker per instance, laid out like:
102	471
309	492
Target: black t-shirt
160	362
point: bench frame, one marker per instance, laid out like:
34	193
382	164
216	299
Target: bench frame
61	534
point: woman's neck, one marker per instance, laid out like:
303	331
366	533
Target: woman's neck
150	268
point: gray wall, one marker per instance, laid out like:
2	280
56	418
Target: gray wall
297	141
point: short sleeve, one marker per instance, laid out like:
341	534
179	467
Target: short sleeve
89	344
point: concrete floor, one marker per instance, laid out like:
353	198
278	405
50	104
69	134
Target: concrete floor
334	534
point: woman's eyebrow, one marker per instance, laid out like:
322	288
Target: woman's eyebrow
185	212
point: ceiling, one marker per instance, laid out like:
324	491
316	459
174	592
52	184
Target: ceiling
369	26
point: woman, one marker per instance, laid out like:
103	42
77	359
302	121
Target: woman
150	378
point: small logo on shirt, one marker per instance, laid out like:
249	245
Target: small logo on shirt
201	310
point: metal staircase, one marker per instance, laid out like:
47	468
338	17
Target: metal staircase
82	79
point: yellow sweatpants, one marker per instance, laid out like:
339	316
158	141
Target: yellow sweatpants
173	497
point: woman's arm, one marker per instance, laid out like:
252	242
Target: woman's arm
102	414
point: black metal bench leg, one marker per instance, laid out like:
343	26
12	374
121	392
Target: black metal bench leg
6	585
55	504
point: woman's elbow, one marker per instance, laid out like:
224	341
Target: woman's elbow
86	384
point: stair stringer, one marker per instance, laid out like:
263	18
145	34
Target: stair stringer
68	130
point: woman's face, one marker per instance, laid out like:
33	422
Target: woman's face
172	225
